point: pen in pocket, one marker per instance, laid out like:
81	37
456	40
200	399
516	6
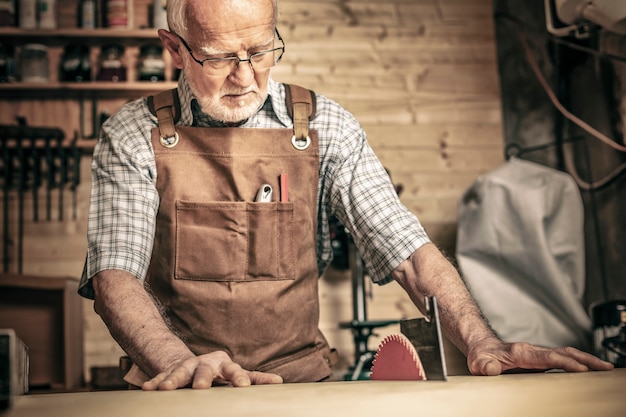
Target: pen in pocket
284	188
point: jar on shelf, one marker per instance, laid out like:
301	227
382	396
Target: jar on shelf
34	63
87	14
117	14
8	15
75	65
7	64
112	67
150	65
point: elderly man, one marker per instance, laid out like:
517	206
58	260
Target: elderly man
208	227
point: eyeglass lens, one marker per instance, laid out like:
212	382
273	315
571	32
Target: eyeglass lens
259	60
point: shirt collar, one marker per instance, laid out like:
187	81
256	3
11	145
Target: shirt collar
185	96
277	98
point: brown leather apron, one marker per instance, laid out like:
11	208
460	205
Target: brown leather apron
234	274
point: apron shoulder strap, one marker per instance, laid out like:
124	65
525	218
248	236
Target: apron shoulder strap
166	107
301	108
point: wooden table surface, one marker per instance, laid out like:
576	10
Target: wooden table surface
554	394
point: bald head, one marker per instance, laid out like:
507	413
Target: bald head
185	16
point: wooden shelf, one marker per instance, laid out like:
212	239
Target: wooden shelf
101	88
80	101
86	36
84	144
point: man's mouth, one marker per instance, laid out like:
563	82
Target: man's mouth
239	99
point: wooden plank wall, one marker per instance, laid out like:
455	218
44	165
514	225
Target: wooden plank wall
421	77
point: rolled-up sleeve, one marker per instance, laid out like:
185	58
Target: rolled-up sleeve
362	196
124	200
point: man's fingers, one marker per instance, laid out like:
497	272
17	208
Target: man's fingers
153	384
261	378
234	373
575	360
486	366
529	357
567	358
203	377
239	377
202	372
556	359
518	357
159	382
170	380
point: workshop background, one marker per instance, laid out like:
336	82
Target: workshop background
442	87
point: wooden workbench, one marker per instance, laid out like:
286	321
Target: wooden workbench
598	394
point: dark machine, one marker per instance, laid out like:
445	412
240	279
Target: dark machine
609	331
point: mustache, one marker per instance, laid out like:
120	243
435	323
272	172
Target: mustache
238	92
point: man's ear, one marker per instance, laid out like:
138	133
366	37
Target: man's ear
171	43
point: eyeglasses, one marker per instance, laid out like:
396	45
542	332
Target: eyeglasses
259	61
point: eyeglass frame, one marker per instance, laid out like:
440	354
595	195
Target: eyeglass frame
235	57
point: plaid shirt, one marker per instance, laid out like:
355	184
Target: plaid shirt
353	186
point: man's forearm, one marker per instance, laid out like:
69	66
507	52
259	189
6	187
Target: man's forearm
428	272
135	322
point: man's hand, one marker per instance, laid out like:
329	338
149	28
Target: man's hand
493	357
200	372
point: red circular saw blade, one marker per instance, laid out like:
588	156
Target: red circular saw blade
396	360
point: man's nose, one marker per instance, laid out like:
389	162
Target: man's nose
243	74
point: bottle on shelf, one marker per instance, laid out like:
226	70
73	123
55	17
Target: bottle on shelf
159	14
7	63
75	65
112	66
150	65
28	14
87	14
7	13
47	14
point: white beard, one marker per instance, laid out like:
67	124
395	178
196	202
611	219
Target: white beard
216	110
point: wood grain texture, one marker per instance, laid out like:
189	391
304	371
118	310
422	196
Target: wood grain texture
538	395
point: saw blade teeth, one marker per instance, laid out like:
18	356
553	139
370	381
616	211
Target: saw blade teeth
397	359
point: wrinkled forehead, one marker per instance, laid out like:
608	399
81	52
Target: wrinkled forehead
211	21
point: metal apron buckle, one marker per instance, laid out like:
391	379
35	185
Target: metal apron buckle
170	141
301	143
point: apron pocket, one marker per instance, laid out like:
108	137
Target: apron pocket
270	244
234	241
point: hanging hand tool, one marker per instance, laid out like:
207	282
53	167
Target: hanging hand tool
50	169
21	186
76	154
36	175
21	168
62	158
7	161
